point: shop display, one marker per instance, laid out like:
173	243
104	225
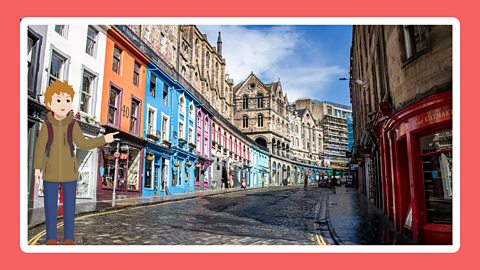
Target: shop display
436	154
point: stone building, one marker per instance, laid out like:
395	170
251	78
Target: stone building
261	111
162	39
401	92
186	50
306	137
329	133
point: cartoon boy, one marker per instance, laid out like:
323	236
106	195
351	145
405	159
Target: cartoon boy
55	159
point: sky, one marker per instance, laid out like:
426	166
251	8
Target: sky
308	59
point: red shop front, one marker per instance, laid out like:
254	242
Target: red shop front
416	147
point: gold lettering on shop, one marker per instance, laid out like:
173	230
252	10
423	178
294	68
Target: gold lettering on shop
433	117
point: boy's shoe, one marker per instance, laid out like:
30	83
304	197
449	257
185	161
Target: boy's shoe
68	242
51	242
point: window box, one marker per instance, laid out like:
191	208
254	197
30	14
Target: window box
150	156
153	136
167	144
182	141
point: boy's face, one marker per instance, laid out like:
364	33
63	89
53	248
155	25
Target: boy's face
61	104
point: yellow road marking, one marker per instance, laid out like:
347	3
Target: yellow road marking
320	240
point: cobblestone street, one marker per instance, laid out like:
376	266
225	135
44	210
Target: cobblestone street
279	216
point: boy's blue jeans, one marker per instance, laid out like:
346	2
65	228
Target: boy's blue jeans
51	207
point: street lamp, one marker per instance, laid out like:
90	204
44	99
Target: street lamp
116	155
356	81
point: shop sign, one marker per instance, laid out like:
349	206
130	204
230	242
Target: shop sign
424	120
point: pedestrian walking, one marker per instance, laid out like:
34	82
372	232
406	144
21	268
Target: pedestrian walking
244	184
263	182
305	180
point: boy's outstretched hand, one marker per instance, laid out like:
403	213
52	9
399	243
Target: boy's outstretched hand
109	137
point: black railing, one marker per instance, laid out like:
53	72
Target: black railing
159	62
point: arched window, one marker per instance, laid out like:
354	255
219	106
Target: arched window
260	100
260	120
214	128
245	102
181	105
207	60
191	110
245	121
219	134
224	139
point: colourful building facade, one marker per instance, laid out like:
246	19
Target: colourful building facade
122	110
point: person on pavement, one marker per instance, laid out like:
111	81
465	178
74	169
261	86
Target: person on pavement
305	180
55	162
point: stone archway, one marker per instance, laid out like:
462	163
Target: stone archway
261	141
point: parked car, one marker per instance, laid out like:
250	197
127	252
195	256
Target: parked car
323	181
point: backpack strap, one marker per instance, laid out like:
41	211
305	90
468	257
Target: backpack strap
50	136
70	137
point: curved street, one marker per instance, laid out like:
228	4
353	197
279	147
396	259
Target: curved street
273	216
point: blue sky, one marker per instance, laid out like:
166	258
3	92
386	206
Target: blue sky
308	59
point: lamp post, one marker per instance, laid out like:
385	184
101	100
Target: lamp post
116	155
355	81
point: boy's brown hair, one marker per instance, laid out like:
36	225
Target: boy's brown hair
58	87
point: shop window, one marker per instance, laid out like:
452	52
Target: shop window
84	162
165	165
148	173
436	156
133	168
174	176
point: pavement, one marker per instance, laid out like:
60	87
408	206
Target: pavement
353	220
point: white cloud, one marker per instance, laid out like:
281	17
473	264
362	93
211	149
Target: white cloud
272	53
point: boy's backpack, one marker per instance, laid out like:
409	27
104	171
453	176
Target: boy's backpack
50	137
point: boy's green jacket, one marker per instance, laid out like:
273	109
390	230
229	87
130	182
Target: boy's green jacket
60	166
